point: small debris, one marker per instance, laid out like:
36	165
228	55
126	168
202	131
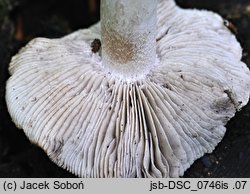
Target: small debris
230	26
95	45
245	54
34	99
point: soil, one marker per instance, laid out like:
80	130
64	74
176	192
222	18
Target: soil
22	20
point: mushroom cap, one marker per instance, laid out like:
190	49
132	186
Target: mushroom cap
96	125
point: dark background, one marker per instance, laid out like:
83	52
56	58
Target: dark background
22	20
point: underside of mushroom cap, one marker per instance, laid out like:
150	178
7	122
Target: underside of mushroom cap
96	125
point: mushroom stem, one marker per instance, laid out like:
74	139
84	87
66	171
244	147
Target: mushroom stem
128	30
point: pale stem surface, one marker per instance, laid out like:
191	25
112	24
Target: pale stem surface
128	30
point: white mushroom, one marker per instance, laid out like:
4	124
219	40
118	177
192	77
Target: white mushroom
154	99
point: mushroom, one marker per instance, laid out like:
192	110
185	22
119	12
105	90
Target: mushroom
154	98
